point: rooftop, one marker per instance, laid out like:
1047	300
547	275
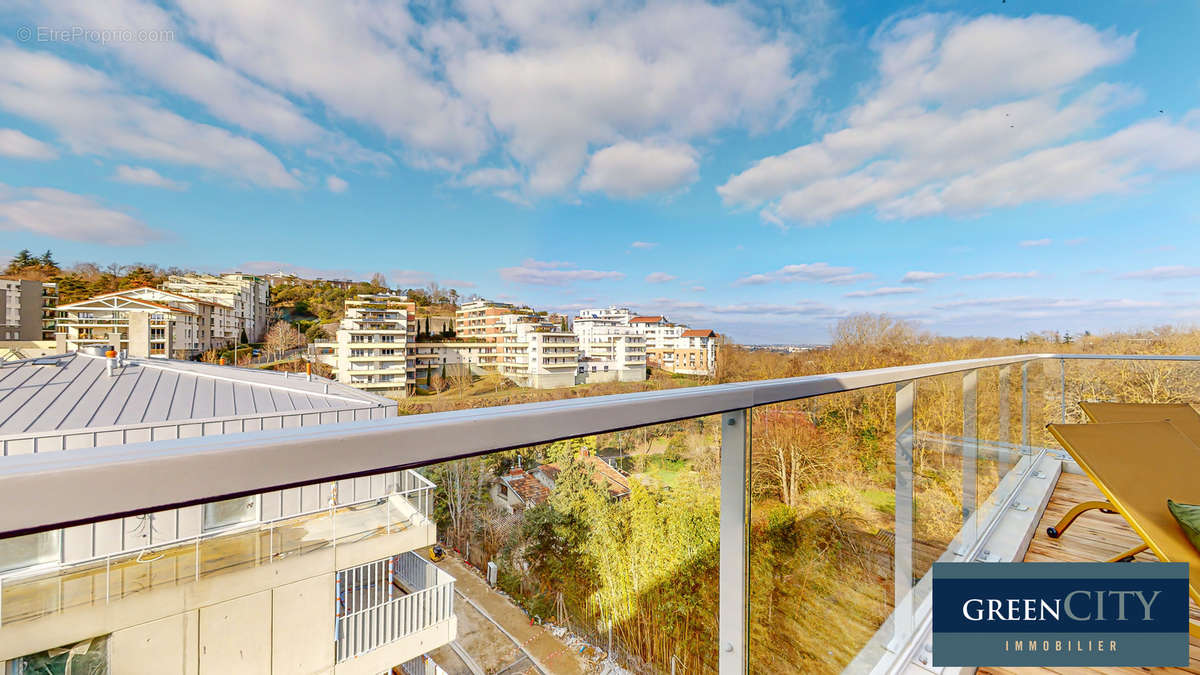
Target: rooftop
74	391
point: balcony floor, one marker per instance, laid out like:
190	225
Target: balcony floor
1093	537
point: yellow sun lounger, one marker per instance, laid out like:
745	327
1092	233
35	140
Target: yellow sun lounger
1138	466
1183	416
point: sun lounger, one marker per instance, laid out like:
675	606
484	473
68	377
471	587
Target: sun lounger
1138	466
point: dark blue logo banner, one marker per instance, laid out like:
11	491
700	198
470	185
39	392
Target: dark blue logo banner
1060	614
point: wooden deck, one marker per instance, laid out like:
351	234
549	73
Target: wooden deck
1094	537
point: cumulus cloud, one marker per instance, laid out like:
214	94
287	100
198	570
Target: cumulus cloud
553	273
492	178
884	290
1009	89
54	92
140	175
13	143
56	213
659	278
807	272
1033	243
336	185
1000	275
631	170
919	277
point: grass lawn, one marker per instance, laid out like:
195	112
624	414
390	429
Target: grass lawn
665	471
884	502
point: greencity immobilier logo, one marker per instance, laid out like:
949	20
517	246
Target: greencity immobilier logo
1060	614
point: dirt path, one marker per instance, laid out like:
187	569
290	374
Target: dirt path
549	653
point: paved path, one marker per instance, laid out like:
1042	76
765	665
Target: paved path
549	654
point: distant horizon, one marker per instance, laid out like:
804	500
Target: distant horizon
760	170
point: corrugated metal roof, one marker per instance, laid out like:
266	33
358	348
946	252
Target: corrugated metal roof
74	391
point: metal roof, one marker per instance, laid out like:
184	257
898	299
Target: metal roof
74	391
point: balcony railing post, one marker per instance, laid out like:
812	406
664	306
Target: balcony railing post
1062	374
1025	408
1005	392
970	453
902	582
734	571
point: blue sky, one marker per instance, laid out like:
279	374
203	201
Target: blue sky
980	168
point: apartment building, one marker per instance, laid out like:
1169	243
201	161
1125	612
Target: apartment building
481	319
373	344
323	577
27	310
247	295
671	346
533	352
609	350
148	322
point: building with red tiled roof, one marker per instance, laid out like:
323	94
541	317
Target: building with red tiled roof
147	322
518	489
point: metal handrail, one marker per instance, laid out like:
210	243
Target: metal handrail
59	489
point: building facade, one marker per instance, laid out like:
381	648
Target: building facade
247	295
373	348
27	310
670	346
322	578
148	322
609	351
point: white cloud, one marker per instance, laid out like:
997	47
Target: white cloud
336	185
1076	241
93	116
547	273
659	278
807	272
491	178
1000	275
643	244
13	143
919	277
140	175
1002	87
1163	273
630	170
56	213
409	278
1032	243
885	290
558	78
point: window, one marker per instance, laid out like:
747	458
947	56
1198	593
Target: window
86	657
229	512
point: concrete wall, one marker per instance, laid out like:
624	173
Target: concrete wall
272	619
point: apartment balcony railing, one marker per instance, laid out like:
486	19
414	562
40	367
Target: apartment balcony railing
973	427
383	601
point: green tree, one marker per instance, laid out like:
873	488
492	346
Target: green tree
315	333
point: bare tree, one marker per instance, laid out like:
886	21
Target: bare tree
282	337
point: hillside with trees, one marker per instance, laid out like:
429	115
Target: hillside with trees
822	498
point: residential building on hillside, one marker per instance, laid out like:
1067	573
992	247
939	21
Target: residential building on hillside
239	585
148	322
533	352
246	294
373	349
610	351
27	309
519	489
670	346
480	319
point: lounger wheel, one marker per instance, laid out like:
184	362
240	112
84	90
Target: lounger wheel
1053	532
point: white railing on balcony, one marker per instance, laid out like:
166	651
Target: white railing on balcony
57	489
383	601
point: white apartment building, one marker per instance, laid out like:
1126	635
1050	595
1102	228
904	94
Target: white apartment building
673	347
372	350
609	351
536	353
148	322
480	319
27	310
320	578
247	295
